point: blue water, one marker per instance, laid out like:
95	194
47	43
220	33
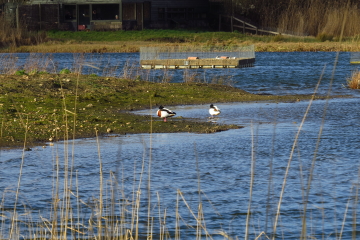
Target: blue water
219	164
274	73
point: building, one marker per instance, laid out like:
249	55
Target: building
78	15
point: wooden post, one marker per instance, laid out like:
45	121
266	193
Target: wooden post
243	27
142	16
120	13
17	17
40	20
219	22
232	15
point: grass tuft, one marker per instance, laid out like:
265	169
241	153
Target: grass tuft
65	71
323	37
354	81
20	72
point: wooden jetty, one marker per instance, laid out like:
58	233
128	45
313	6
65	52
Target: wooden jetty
196	57
197	63
355	58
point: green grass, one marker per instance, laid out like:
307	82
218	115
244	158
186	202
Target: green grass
54	105
174	36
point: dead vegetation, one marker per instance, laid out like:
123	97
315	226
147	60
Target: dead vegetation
353	82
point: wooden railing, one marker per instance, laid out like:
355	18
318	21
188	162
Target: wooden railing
246	26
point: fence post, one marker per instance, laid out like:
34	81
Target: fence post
219	22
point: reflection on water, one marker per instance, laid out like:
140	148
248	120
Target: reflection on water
219	164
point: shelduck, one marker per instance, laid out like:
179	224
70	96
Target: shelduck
214	110
165	113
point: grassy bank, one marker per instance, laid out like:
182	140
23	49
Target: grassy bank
131	41
37	107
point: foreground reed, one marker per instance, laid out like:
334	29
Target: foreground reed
114	211
123	204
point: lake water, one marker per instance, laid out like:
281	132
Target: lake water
236	171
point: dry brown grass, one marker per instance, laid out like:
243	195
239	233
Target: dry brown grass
354	81
102	47
307	47
320	17
13	37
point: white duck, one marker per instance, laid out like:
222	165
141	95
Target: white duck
165	113
214	110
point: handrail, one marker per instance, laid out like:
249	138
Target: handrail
253	27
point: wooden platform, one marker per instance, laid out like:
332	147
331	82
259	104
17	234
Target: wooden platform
197	63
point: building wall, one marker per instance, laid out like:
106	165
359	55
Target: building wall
131	14
177	13
39	17
73	1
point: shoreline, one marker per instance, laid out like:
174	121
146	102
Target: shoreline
189	125
134	46
36	108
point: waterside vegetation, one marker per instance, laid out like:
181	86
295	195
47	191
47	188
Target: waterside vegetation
41	106
131	41
353	81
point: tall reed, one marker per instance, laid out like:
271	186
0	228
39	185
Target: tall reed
11	36
320	17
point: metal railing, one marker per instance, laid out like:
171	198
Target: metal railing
203	52
355	58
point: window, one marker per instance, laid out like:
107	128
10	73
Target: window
69	12
105	12
180	13
161	13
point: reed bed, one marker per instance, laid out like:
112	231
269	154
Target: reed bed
302	18
321	18
12	37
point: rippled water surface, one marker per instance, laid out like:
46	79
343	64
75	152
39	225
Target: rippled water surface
274	73
236	171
